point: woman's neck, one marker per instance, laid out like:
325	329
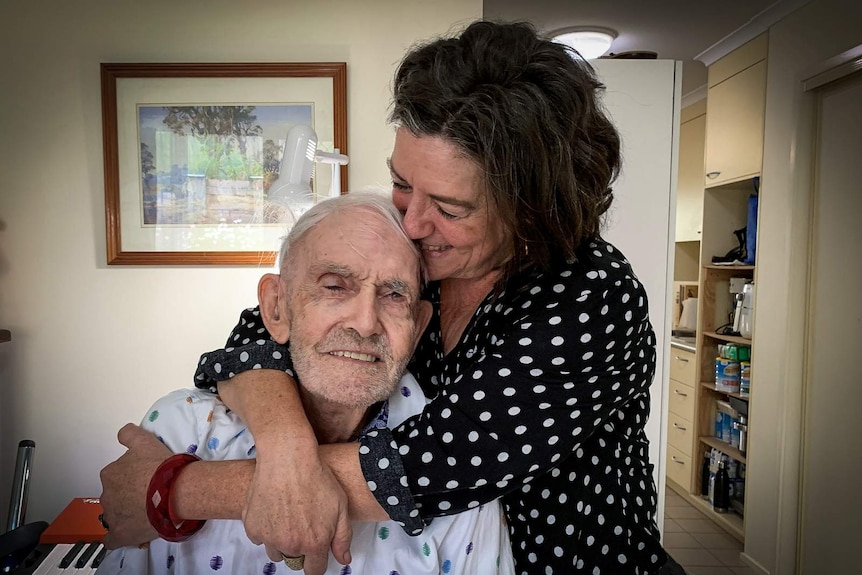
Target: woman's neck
459	299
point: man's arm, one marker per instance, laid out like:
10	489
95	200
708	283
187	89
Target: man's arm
217	490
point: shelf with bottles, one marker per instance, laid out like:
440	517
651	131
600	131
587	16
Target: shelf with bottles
724	447
721	488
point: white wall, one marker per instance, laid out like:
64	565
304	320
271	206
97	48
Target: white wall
802	41
94	345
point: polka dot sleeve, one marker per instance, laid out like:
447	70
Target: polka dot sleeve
535	374
249	346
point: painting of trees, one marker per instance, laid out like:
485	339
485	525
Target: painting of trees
223	132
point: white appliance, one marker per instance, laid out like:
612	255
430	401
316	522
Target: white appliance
746	314
643	100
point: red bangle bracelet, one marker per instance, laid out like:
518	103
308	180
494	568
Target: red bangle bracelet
159	510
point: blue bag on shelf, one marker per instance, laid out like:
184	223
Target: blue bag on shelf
751	226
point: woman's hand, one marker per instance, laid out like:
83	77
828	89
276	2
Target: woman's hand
295	506
124	488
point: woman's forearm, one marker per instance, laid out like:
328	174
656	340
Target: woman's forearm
269	404
343	460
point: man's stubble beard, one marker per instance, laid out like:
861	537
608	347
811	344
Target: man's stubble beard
314	378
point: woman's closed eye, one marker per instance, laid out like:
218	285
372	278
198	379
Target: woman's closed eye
445	214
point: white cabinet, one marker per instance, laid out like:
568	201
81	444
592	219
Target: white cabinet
689	197
736	98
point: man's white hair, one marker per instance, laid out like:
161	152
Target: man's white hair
373	202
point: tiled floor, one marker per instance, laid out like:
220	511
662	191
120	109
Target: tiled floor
697	543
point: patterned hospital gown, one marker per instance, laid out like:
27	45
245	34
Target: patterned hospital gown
475	542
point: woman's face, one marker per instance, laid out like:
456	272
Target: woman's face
446	209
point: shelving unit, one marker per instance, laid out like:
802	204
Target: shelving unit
732	159
715	311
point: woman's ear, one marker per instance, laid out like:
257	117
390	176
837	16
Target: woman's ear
270	297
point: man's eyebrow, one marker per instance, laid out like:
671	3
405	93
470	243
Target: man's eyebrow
466	204
397	285
337	269
394	284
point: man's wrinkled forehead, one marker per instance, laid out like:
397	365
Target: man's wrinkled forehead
363	234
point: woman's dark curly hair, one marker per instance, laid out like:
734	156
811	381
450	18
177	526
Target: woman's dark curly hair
527	111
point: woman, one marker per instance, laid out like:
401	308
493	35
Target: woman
539	356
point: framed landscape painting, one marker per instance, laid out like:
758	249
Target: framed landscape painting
192	151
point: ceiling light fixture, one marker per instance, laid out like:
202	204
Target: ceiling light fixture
590	42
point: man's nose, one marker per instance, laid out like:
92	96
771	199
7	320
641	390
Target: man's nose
364	316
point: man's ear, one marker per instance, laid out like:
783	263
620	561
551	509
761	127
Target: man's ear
424	309
269	296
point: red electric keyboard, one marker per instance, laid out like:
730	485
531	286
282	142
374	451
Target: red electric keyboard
72	543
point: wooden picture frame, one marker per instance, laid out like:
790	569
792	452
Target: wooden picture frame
189	150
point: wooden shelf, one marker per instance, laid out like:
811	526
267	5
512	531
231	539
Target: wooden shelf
730	522
5	335
728	338
723	447
710	385
729	268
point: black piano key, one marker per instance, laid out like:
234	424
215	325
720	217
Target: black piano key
99	557
70	556
85	556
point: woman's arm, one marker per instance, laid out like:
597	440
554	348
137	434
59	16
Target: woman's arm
560	359
294	503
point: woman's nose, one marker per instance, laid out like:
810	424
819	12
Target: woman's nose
416	221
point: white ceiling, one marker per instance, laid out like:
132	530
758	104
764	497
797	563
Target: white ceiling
675	29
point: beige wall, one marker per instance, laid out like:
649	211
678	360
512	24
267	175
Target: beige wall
93	346
797	45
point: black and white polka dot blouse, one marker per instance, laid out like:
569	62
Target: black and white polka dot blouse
542	402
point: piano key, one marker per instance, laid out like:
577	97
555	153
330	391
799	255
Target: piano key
85	556
70	556
52	563
100	556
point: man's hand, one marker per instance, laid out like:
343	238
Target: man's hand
124	488
295	506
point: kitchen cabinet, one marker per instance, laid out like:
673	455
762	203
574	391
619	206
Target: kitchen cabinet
693	396
735	105
681	414
733	153
689	202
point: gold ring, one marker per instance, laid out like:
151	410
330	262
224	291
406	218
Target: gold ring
294	563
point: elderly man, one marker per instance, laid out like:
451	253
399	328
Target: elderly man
347	302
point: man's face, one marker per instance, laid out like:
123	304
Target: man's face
351	295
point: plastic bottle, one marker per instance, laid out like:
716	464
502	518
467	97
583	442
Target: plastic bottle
721	490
